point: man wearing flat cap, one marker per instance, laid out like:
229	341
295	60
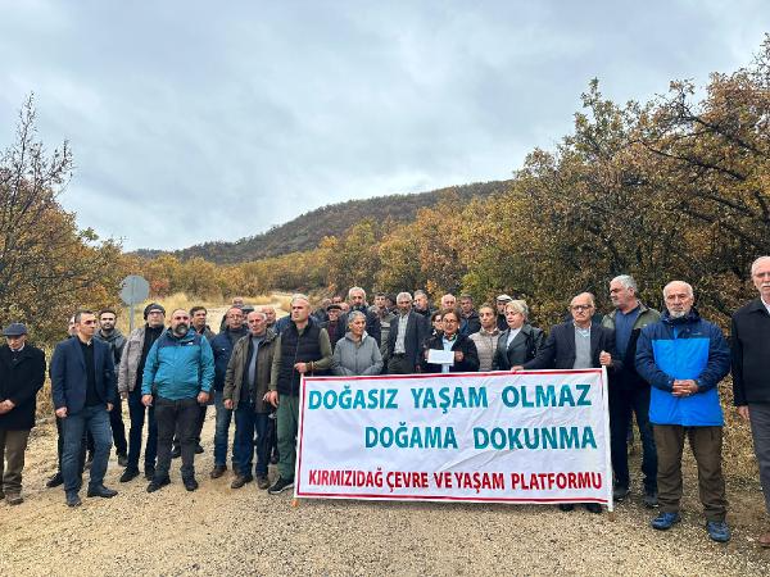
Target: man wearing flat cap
22	372
130	373
501	301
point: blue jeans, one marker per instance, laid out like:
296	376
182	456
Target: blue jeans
247	423
222	430
137	411
96	420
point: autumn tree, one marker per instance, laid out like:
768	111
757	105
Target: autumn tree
48	267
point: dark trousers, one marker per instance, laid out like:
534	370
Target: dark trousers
96	420
181	415
222	430
198	425
760	430
400	365
60	447
13	445
623	402
706	445
137	411
118	428
248	424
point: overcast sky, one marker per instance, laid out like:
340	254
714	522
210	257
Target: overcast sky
195	121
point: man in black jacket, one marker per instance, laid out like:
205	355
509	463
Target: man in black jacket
22	372
578	344
357	301
408	331
109	334
751	366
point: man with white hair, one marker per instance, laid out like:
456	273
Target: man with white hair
357	302
303	348
629	393
751	367
684	357
408	331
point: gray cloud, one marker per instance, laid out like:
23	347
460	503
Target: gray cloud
191	123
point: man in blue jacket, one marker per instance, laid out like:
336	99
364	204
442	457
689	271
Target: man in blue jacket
222	347
177	379
84	392
684	357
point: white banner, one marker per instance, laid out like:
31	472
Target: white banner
527	437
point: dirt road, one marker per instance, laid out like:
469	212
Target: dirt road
217	530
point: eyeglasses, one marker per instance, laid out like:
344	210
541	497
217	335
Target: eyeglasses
582	307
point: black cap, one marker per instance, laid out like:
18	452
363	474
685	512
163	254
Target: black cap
153	307
14	330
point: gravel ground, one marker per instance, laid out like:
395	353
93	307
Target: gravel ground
217	530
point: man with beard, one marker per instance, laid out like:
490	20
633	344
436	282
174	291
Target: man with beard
114	339
177	379
130	387
684	357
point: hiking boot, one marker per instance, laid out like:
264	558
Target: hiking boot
101	491
263	483
55	481
122	460
198	449
218	471
129	474
14	499
73	499
619	493
156	484
149	472
651	499
280	486
665	521
718	531
190	483
240	481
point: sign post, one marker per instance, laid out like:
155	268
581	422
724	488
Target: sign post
135	289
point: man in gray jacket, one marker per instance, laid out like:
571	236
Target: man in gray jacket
137	347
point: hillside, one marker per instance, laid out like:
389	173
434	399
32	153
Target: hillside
306	231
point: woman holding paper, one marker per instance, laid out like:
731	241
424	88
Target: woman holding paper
357	353
449	351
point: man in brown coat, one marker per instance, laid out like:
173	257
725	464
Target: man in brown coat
246	384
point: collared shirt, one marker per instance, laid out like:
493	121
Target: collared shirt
400	346
512	335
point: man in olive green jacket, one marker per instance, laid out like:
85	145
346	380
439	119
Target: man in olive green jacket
246	385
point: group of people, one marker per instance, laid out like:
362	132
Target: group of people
663	369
